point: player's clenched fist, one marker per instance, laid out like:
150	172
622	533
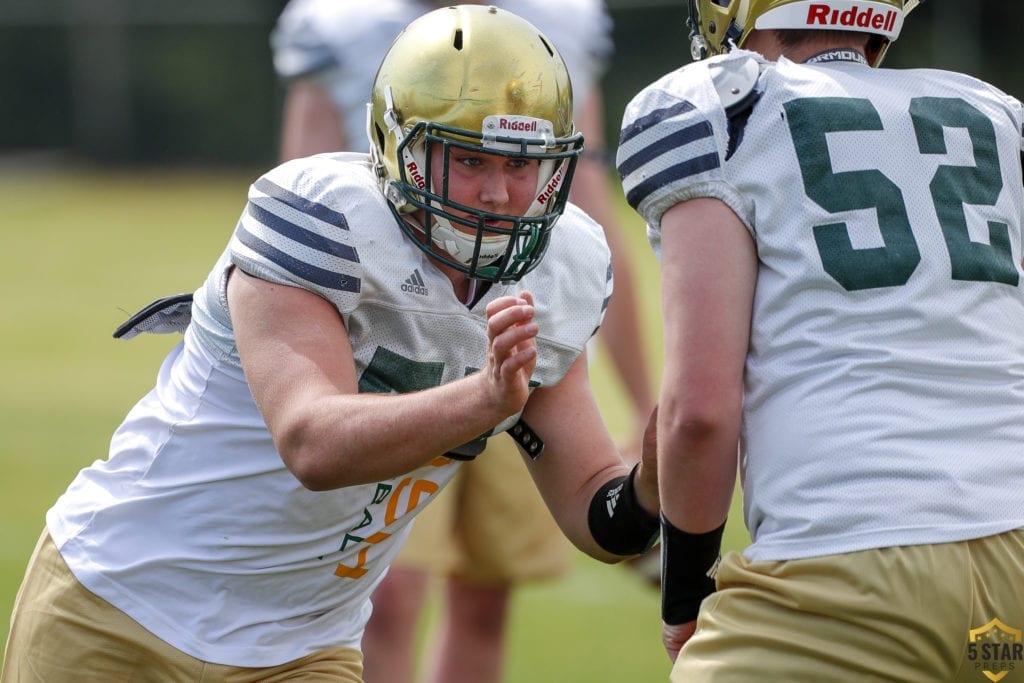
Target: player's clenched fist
511	349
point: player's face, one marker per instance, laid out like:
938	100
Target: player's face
489	182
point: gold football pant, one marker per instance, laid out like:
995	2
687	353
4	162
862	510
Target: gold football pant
946	612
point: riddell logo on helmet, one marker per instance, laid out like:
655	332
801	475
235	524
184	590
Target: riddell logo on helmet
552	186
519	125
882	18
854	17
414	173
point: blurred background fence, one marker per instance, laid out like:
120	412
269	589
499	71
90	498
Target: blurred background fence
190	82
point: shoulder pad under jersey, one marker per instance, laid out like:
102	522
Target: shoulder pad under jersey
735	81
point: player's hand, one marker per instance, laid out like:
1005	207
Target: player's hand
675	636
511	351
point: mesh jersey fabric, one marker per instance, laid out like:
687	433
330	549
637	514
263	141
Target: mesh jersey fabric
885	372
194	527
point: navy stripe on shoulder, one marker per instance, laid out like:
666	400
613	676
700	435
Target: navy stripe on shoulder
302	204
684	136
669	175
306	271
302	235
644	122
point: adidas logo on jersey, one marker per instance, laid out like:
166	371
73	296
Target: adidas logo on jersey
414	283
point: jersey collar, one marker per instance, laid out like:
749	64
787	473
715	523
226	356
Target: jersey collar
838	55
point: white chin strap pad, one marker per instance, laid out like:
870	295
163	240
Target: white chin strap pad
461	246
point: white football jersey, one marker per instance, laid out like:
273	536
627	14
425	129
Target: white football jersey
342	43
194	527
885	375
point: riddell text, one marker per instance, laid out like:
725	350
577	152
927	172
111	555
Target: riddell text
823	15
526	126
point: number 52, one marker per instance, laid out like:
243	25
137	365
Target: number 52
952	187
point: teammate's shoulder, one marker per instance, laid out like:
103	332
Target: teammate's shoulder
677	133
961	81
708	84
953	85
735	78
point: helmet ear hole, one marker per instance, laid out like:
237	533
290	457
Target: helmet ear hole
457	43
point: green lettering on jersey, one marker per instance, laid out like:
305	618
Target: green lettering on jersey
954	186
811	119
388	372
391	372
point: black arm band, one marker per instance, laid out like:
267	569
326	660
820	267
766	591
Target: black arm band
689	563
616	520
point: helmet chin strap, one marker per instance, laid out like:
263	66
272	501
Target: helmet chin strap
394	127
461	246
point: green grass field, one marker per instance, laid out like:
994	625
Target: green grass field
83	249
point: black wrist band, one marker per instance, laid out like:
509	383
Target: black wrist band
688	566
616	520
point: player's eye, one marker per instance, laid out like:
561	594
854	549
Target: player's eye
467	159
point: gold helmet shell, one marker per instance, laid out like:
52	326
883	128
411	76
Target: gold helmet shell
479	77
716	26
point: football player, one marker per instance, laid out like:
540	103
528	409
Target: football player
489	532
373	319
841	280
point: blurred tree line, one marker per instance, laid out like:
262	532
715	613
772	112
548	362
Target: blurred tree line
191	82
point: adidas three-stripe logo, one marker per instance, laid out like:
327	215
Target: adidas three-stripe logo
415	284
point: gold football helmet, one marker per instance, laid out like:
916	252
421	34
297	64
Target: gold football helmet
716	26
481	78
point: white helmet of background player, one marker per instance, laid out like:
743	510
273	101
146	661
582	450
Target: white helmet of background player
479	78
716	26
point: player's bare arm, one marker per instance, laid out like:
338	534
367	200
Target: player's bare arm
580	457
708	298
301	371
